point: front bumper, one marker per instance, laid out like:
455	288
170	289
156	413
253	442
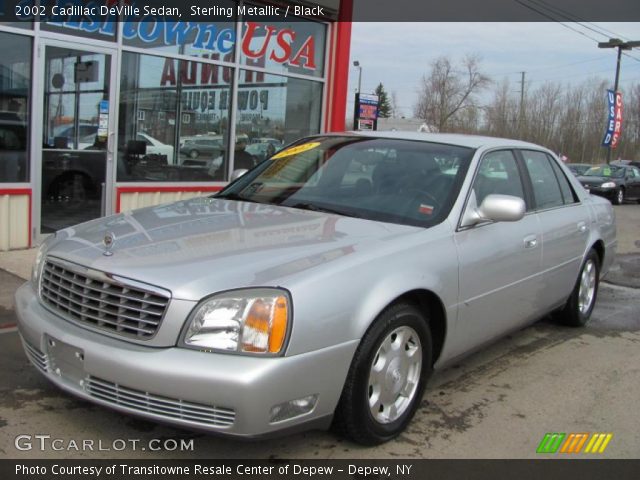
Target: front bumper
608	193
224	393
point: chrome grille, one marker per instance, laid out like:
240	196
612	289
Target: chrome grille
102	301
36	357
166	407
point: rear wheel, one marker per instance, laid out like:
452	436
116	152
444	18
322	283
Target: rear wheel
579	307
387	377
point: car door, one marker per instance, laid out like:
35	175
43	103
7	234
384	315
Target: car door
564	223
633	182
499	263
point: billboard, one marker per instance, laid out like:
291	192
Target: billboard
365	116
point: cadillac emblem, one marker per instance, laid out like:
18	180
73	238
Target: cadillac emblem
108	241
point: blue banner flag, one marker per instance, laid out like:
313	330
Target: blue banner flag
611	120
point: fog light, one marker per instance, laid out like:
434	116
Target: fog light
293	408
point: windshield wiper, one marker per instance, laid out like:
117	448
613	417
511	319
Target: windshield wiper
317	208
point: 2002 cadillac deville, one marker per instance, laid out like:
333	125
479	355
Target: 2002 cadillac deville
322	287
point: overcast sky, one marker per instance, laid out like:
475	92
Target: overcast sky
399	54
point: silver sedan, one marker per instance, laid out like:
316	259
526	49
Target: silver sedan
319	289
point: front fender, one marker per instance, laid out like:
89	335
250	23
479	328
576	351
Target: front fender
340	305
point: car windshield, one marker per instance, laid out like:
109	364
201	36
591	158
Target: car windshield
579	169
389	180
605	171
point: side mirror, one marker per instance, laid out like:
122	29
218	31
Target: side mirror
237	174
495	208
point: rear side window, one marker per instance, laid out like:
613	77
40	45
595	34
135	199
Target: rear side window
546	189
568	195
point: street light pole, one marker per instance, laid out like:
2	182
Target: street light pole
356	63
620	45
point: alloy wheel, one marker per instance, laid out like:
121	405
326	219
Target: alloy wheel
586	294
395	374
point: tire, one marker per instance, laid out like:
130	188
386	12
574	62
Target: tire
579	307
194	154
619	198
398	346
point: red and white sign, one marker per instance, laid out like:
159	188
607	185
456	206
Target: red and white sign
617	127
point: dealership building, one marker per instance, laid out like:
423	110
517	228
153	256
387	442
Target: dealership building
99	116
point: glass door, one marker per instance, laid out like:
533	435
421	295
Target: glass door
77	136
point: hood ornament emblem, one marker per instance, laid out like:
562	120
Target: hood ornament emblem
108	242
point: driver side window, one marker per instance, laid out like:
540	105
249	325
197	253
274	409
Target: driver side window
498	174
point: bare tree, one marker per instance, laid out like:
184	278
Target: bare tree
630	138
502	113
448	91
395	111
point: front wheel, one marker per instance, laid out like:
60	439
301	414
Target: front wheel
619	198
387	377
579	307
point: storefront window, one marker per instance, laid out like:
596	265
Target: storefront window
297	47
15	81
215	40
20	13
71	21
273	111
173	119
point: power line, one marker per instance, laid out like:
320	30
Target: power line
575	75
580	20
555	20
570	16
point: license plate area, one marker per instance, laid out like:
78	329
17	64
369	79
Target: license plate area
66	361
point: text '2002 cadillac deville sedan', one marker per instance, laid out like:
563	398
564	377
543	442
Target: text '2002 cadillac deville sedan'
322	287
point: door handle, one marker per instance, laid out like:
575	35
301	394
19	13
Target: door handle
582	227
110	143
530	241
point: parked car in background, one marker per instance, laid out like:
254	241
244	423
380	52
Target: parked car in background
277	144
630	163
156	147
615	182
578	168
86	135
87	138
205	146
260	151
321	288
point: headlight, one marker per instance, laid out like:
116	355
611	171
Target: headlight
39	263
608	185
250	321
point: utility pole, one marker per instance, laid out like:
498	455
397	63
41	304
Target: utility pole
620	45
521	111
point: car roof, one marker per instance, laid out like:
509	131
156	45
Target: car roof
462	140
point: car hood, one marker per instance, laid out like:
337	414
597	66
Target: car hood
597	180
204	245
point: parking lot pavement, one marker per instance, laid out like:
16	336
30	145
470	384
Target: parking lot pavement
498	403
